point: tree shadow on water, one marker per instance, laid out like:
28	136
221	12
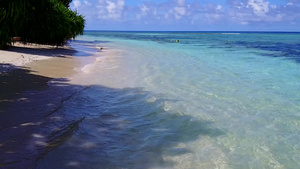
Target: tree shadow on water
26	100
123	128
62	125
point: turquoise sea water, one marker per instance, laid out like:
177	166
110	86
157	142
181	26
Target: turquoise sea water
209	100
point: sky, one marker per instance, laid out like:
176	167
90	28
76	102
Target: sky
190	15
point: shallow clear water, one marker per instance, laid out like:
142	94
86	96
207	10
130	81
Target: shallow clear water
211	100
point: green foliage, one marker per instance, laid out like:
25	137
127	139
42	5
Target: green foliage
66	2
39	21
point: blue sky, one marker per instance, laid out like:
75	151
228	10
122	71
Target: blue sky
190	15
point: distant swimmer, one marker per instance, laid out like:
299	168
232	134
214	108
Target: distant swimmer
177	40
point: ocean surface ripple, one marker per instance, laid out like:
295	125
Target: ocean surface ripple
184	100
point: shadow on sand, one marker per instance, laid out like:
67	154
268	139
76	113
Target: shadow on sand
52	51
45	120
57	52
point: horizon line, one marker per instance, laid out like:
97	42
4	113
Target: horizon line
231	31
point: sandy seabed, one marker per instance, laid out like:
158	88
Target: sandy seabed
34	83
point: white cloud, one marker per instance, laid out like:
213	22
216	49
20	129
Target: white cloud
87	2
144	9
239	6
244	23
257	11
212	17
192	12
260	7
77	4
180	10
115	9
110	9
219	7
180	2
273	6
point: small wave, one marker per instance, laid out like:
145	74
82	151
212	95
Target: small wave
87	68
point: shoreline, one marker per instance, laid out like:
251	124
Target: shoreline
34	83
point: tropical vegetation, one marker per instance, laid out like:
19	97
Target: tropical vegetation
49	22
